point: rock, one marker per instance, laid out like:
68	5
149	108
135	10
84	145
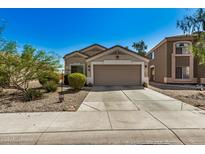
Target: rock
71	108
200	96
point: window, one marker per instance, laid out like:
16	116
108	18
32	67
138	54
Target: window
182	72
77	69
151	55
182	48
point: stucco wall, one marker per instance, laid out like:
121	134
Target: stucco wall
169	58
165	59
72	60
160	62
122	56
201	71
182	61
170	49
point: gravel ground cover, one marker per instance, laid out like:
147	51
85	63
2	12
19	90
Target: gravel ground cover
11	101
189	95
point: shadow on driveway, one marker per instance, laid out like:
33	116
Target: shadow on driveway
115	88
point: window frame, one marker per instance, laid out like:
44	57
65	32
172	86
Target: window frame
188	51
77	64
152	55
182	74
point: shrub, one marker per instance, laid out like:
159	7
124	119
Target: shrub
66	80
32	94
76	80
145	84
50	86
4	80
48	76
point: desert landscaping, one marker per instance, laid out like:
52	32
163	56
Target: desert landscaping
11	100
190	96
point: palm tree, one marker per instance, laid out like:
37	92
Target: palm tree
140	47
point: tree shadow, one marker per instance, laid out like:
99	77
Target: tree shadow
18	96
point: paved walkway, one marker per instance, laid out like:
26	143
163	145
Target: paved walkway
110	115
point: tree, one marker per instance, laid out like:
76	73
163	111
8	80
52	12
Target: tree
9	47
20	68
198	49
140	47
194	25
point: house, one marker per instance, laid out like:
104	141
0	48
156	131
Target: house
108	66
171	61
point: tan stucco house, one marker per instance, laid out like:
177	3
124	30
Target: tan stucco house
171	61
108	66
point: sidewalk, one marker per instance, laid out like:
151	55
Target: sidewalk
109	127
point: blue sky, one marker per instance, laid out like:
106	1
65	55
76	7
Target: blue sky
65	30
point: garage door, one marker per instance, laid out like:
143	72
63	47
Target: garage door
117	74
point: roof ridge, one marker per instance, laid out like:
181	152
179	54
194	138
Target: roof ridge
75	52
95	44
120	47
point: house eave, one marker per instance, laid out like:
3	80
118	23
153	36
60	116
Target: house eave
73	53
120	47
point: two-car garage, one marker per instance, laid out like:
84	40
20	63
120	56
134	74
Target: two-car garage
117	74
109	66
117	66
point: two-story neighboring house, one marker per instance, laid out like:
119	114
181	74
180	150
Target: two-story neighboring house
171	61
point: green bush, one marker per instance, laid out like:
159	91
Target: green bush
32	94
76	80
50	86
4	80
48	76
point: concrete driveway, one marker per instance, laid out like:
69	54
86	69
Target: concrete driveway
130	98
110	115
